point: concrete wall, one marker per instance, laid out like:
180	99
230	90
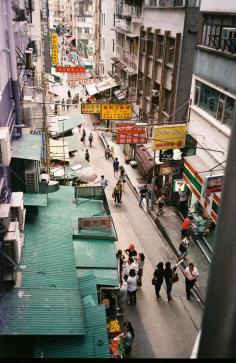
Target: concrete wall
164	19
228	6
216	69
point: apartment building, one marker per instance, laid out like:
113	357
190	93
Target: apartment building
213	97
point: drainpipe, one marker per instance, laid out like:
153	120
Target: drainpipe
13	66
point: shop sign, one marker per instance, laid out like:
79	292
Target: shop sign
131	134
169	137
179	185
118	111
76	69
87	108
165	169
166	155
54	44
102	223
212	184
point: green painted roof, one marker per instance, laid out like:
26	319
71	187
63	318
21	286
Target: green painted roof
91	345
87	287
35	199
28	147
73	142
103	277
95	253
69	123
43	312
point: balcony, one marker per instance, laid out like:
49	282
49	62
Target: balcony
165	3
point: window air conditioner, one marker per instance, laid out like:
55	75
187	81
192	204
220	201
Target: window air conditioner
17	208
228	33
5	217
12	244
5	148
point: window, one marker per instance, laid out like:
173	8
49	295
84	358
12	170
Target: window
150	43
166	101
153	2
171	50
214	102
86	30
160	44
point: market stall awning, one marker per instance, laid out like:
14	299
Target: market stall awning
72	141
91	89
107	84
60	125
119	65
36	200
28	147
132	35
59	150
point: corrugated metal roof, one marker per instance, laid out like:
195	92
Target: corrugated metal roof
95	253
94	344
73	142
43	312
28	147
69	123
39	200
87	287
103	277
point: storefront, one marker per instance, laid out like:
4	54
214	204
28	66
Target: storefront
203	208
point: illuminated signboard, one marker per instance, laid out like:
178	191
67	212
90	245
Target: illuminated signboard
131	134
169	137
116	111
212	184
54	43
77	69
90	108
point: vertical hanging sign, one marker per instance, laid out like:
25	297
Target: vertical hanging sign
54	43
46	38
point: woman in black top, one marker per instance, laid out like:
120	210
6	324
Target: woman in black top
168	275
121	259
159	277
131	252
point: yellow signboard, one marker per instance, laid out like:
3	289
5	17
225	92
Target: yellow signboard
90	107
169	137
54	43
116	111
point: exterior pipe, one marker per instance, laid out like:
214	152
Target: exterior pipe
13	64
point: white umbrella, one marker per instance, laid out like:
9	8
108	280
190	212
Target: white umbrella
87	173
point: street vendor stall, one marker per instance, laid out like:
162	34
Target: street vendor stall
115	339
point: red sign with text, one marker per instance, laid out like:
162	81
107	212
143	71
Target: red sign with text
70	69
128	134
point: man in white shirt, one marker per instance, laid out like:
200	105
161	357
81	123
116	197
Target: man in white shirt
191	273
122	297
103	182
127	267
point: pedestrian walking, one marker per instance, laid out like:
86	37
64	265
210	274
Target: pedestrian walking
121	260
127	266
183	247
185	227
140	262
128	338
63	104
103	182
160	205
116	166
122	297
130	251
132	287
107	152
158	278
116	195
143	194
121	190
191	273
87	156
112	151
67	103
69	93
168	275
83	137
90	139
122	178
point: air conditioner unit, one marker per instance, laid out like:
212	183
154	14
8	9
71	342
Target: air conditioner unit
29	58
155	92
5	217
11	242
228	33
17	207
32	178
5	149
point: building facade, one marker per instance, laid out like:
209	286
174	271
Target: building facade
213	98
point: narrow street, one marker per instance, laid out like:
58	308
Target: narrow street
156	324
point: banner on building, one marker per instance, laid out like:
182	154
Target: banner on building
212	184
54	45
46	37
131	134
101	223
76	69
87	108
169	137
117	111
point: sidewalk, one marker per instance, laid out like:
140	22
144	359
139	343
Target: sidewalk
168	224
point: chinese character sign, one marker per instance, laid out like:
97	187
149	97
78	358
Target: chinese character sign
54	43
90	108
77	69
130	134
169	137
95	223
116	111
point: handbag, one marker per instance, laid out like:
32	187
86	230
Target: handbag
175	277
154	280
